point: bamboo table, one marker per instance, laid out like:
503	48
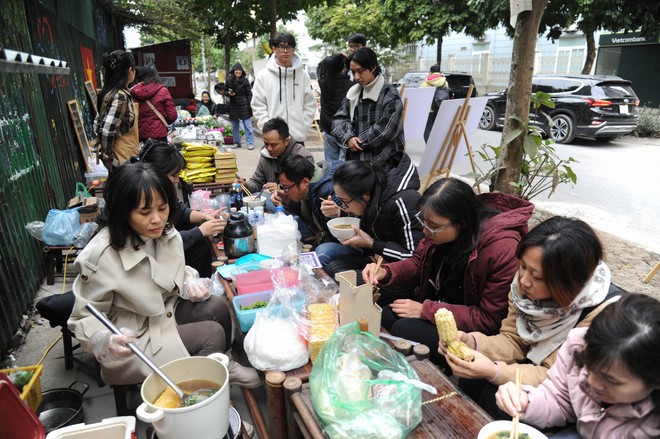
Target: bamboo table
451	414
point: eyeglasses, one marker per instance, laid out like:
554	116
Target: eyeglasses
285	189
431	231
283	48
345	203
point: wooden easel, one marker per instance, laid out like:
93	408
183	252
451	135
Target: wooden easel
653	272
445	159
405	103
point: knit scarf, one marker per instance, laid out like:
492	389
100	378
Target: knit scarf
544	325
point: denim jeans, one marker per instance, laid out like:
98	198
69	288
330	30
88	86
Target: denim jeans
332	149
330	251
247	125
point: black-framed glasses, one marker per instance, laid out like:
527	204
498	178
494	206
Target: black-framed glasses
285	189
345	203
431	231
283	48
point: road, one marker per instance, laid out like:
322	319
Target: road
617	189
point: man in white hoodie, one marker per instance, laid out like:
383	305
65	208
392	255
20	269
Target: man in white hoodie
283	89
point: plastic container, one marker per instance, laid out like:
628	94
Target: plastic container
121	427
259	281
18	421
31	393
246	317
91	176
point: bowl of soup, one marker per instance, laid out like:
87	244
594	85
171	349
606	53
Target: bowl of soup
502	430
342	228
251	203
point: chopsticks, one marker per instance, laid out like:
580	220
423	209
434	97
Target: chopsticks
338	206
516	419
247	191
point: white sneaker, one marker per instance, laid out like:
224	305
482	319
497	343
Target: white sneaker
243	376
250	147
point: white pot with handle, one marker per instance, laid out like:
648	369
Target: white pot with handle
208	419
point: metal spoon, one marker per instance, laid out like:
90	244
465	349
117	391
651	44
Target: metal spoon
198	395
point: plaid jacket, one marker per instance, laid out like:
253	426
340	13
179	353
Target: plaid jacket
378	125
114	120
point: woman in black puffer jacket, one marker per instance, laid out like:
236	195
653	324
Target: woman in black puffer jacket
240	96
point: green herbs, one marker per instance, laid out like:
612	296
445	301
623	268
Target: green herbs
256	305
20	378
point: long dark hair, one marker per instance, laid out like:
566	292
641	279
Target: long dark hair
626	332
571	253
123	191
356	178
162	156
456	201
115	71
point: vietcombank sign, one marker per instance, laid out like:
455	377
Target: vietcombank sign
632	38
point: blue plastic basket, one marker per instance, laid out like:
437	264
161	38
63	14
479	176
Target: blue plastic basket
246	317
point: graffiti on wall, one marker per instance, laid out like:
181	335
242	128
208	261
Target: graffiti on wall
46	43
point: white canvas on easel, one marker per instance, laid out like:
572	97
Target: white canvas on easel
441	129
417	111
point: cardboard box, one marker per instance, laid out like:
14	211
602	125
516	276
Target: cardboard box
89	210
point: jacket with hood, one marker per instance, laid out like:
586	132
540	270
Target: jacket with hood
151	127
239	104
268	164
396	232
487	277
284	92
565	397
333	84
441	89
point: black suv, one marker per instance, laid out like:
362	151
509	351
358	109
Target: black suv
603	107
458	83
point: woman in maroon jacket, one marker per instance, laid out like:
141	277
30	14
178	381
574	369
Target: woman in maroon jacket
465	263
155	119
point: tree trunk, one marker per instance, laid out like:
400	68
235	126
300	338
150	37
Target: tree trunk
518	97
273	17
438	53
591	53
227	44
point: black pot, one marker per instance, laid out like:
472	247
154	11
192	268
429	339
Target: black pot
62	407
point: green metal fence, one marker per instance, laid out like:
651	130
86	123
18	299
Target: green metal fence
40	160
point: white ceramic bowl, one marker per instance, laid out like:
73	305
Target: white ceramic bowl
342	234
489	430
249	202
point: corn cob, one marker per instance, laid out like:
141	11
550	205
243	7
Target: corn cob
447	331
444	321
460	349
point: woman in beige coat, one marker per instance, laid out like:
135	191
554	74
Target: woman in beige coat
134	271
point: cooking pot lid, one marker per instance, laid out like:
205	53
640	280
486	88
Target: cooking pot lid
234	422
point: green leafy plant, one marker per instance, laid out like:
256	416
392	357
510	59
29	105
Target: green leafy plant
542	169
649	123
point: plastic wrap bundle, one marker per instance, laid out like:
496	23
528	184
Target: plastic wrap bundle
277	233
361	387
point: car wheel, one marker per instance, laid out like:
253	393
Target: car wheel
488	118
562	129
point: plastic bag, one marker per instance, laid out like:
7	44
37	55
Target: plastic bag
277	232
36	229
61	225
352	403
274	341
83	234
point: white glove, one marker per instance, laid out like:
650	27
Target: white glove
198	289
109	346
